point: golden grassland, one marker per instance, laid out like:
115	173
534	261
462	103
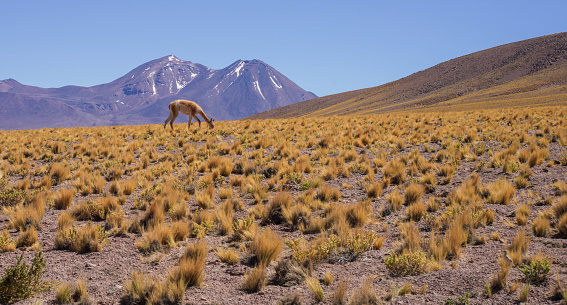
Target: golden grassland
417	193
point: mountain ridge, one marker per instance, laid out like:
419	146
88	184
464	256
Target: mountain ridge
141	96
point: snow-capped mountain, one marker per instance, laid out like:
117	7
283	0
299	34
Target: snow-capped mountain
141	96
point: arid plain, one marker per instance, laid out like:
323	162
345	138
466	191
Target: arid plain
462	207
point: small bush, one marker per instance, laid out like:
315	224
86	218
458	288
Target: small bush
537	271
406	264
89	238
21	281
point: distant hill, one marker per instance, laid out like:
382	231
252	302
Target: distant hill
141	96
526	73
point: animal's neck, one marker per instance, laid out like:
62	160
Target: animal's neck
205	117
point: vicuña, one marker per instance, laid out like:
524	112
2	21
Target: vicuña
189	108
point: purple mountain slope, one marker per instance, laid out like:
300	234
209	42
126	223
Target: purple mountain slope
142	95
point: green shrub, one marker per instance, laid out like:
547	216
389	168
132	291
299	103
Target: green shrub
12	196
536	272
21	281
406	264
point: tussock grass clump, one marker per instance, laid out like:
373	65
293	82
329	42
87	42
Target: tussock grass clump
560	188
339	296
274	211
395	170
228	256
395	199
328	193
27	238
265	247
410	238
145	289
289	273
315	286
365	294
23	216
454	238
522	212
560	207
446	171
6	242
518	246
255	280
413	193
89	238
416	211
191	265
499	280
156	239
58	172
541	226
68	293
374	189
63	198
500	192
561	226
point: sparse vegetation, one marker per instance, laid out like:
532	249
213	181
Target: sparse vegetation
294	202
22	281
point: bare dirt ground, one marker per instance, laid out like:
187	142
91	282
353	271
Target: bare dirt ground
107	271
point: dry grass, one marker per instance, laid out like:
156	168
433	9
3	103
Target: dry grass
365	294
228	256
255	280
329	186
191	265
501	192
265	247
63	199
541	226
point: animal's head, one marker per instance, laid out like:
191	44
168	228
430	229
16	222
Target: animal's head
211	123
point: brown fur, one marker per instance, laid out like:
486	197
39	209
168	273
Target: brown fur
188	108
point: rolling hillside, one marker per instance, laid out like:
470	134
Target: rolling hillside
532	72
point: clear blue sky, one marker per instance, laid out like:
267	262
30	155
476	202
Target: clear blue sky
324	46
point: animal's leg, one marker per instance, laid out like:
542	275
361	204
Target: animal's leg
167	120
196	118
175	114
189	123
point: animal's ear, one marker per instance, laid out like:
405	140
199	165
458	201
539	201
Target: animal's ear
212	120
